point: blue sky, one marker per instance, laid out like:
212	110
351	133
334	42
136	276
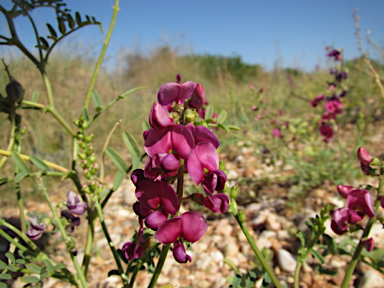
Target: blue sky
292	32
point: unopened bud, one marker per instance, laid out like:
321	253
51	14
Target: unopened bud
89	138
86	189
233	192
23	130
363	156
241	216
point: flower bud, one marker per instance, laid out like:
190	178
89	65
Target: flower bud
363	156
369	244
198	97
233	192
241	216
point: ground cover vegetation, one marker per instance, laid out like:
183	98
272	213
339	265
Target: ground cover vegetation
201	140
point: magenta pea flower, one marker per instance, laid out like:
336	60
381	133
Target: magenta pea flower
176	139
342	218
276	132
155	219
190	226
361	200
162	165
203	156
158	117
334	106
73	221
218	204
317	99
171	93
203	134
74	205
157	194
335	54
179	253
344	190
198	97
214	181
134	250
36	229
327	131
364	156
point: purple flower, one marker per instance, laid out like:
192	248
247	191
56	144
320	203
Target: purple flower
157	193
176	138
135	250
72	219
364	156
164	165
158	117
218	204
203	134
203	157
276	132
155	219
317	99
36	229
179	253
171	93
342	218
74	205
361	200
334	106
198	97
214	181
190	226
335	54
327	131
344	190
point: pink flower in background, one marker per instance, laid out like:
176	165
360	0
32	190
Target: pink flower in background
327	131
251	87
317	99
276	132
334	106
364	156
336	55
344	190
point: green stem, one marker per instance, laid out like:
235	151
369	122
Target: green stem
257	252
102	53
11	140
47	84
11	240
64	234
99	210
160	264
134	274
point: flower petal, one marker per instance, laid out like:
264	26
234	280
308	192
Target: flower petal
182	141
155	219
158	142
169	231
179	253
193	226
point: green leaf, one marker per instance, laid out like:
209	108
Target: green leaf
10	257
49	266
84	111
53	35
222	116
119	177
208	112
35	96
5	277
20	163
145	126
68	175
3	285
71	22
266	281
20	176
20	261
131	144
3	265
33	268
96	99
12	268
104	192
43	43
78	18
233	127
116	159
318	255
330	242
62	27
39	163
224	127
59	266
29	279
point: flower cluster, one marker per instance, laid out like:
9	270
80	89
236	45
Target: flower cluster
332	97
359	203
176	144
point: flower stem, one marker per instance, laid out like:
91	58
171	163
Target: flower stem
257	252
64	234
102	53
159	266
99	210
